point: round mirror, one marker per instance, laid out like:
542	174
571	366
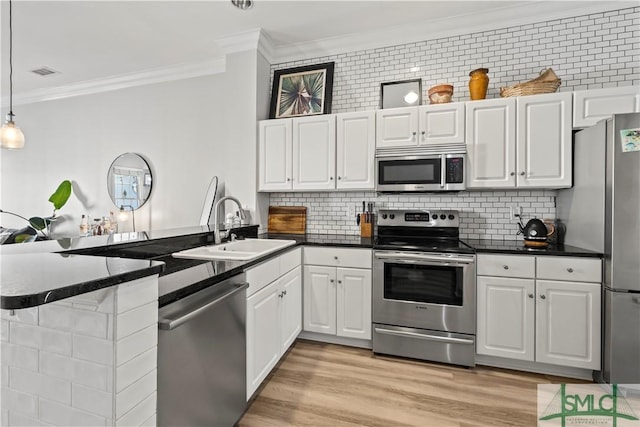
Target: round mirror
129	181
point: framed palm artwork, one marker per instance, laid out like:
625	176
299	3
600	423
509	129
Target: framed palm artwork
302	91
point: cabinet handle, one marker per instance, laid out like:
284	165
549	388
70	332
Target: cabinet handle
288	179
331	280
339	281
335	257
522	173
284	292
530	295
331	178
512	173
543	297
280	295
339	177
570	270
506	267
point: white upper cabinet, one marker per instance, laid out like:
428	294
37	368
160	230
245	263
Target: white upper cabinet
423	125
314	153
275	153
441	123
593	105
544	141
355	150
491	143
397	127
519	143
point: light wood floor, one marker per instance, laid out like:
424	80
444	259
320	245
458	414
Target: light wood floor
320	385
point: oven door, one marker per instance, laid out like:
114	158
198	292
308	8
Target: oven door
424	290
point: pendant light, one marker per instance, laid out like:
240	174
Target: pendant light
11	136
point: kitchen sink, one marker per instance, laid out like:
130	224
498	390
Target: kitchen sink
239	250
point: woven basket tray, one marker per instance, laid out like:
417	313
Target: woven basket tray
546	82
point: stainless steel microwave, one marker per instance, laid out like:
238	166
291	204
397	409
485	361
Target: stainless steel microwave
420	173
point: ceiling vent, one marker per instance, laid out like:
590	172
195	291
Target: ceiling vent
44	71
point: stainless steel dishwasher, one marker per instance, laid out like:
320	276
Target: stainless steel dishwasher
201	357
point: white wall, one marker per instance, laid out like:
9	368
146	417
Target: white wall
188	130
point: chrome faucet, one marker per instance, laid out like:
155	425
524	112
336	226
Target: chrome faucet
217	234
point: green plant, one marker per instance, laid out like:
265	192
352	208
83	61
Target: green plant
37	224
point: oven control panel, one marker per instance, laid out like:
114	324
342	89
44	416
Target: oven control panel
418	218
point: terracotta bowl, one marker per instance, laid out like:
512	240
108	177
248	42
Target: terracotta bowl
440	94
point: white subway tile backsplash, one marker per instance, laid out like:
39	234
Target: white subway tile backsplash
140	414
92	400
128	398
41	338
25	315
40	384
62	415
19	356
4	330
93	349
18	401
18	419
74	320
56	365
136	320
91	374
136	368
136	293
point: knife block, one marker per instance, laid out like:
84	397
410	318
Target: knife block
366	228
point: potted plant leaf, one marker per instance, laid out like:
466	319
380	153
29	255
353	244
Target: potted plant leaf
38	228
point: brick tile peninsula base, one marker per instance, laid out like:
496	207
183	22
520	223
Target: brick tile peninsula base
87	360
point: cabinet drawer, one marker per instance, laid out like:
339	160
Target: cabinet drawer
290	260
262	274
337	257
568	268
506	265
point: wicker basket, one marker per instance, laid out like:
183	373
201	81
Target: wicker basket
546	82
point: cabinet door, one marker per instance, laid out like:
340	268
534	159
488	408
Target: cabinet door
568	323
291	308
355	150
441	123
314	153
275	155
505	314
491	143
263	335
319	299
591	106
397	127
544	141
354	303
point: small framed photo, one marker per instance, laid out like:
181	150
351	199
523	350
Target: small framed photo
405	93
302	91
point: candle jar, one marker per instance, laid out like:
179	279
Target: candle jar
478	83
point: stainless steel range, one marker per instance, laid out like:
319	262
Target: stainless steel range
423	287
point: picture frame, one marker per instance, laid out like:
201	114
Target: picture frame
302	91
401	93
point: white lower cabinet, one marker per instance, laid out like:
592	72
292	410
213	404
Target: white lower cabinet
274	315
521	314
337	300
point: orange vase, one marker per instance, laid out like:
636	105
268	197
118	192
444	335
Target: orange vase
478	83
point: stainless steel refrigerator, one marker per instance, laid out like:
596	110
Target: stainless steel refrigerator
602	213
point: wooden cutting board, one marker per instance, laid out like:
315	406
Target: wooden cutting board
287	219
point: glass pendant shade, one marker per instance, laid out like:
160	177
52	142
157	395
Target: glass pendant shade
11	136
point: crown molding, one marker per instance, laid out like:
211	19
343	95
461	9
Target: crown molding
122	81
508	16
256	39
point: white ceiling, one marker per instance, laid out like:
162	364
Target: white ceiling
94	40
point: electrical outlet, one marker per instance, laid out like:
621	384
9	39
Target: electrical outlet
351	210
515	211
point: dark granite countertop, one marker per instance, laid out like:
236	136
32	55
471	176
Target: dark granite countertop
34	279
517	247
40	272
